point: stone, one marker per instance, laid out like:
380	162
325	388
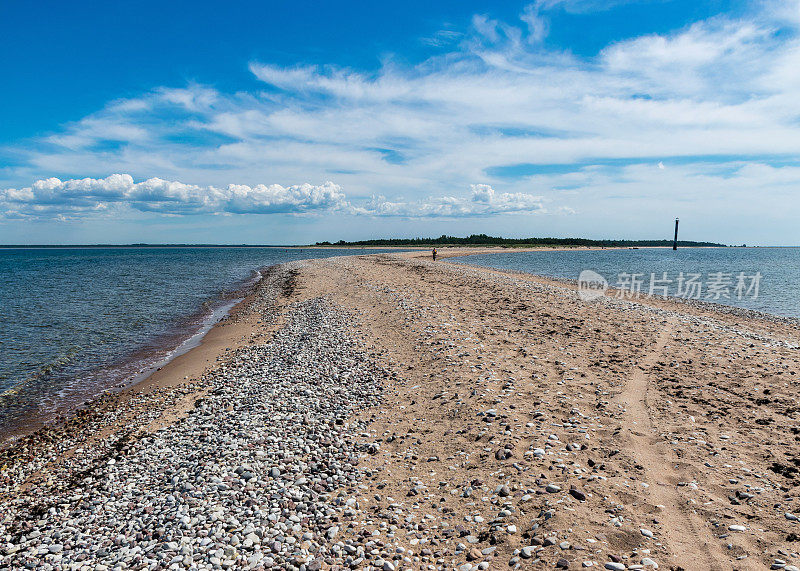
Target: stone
527	552
474	554
737	528
577	494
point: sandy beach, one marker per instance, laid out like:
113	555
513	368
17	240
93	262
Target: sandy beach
391	412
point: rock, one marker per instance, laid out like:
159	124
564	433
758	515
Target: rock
647	562
474	554
737	528
527	552
562	564
614	566
552	488
577	494
646	532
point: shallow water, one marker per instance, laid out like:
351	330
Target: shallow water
74	321
729	276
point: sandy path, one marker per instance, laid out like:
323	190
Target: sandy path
689	540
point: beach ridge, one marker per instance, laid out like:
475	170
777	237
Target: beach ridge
388	411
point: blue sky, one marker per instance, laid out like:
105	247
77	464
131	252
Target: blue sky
274	122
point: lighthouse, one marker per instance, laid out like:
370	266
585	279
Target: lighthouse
675	240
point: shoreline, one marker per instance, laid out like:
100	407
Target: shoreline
150	361
193	358
699	304
477	370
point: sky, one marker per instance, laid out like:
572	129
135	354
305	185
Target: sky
278	123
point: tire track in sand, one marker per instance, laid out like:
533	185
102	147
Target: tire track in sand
686	535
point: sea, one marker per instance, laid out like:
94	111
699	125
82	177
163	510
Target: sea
758	279
75	322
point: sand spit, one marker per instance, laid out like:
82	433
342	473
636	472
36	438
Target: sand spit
389	412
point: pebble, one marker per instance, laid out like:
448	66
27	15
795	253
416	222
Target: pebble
527	552
275	445
577	494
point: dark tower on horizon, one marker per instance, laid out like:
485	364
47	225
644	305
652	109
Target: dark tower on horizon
675	240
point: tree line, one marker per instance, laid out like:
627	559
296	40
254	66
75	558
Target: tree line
485	240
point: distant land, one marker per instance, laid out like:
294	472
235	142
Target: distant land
473	240
484	240
9	246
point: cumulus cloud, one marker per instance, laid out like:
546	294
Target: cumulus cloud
78	197
54	198
483	201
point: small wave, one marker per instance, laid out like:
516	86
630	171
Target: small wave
43	373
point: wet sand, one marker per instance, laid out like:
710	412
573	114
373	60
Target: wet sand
517	427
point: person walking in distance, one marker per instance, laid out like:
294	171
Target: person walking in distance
434	254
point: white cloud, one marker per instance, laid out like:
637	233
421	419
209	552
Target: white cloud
79	197
725	87
53	198
483	201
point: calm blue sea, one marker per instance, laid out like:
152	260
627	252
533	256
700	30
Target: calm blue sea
75	321
761	279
